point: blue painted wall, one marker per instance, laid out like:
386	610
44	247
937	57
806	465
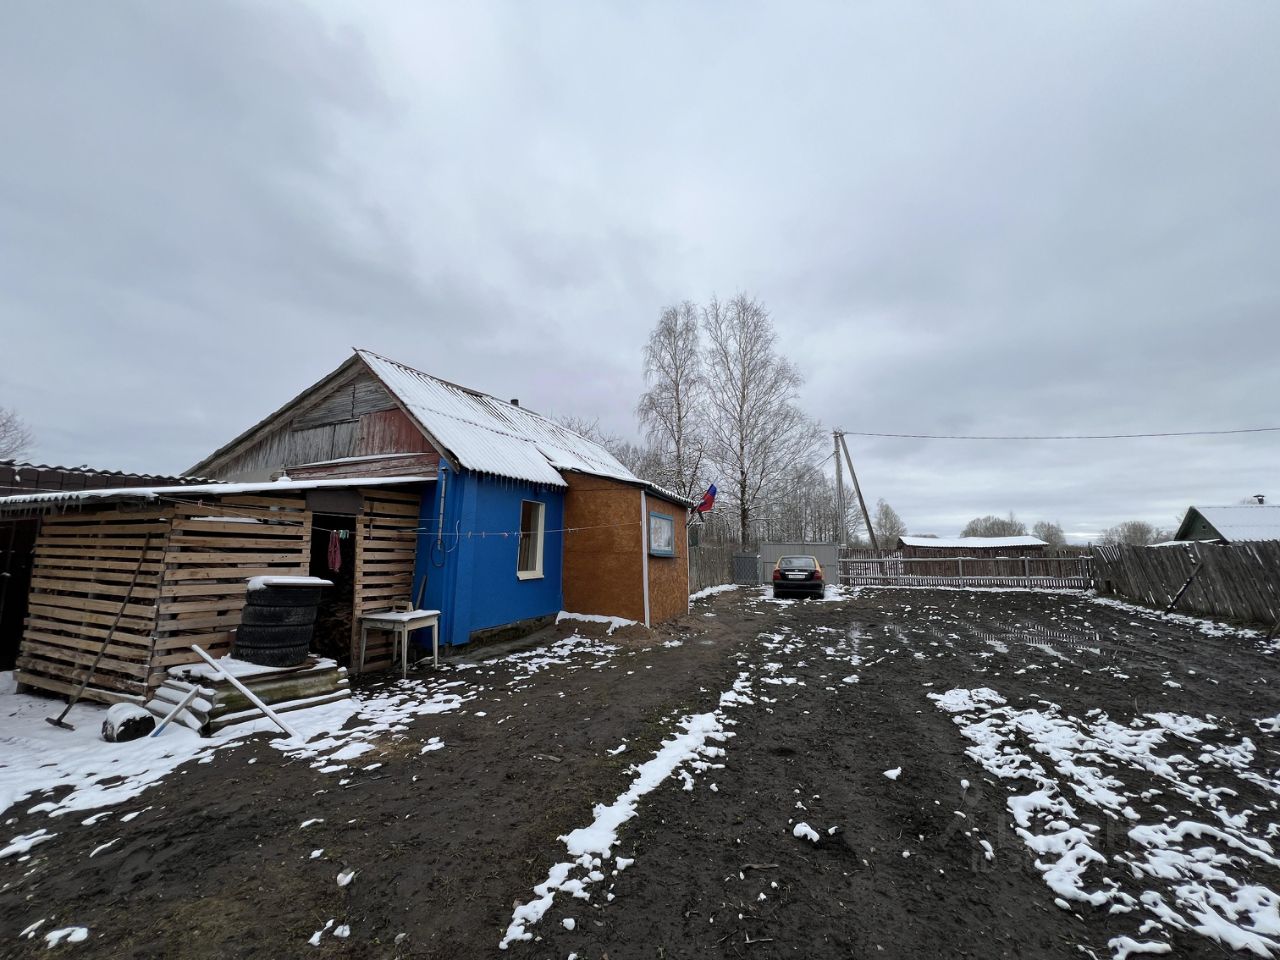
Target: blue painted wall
471	572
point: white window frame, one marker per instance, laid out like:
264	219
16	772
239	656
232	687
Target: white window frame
539	533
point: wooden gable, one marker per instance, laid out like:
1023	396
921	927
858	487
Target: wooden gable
319	434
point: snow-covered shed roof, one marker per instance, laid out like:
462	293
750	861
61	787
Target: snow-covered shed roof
108	494
1235	523
487	435
972	543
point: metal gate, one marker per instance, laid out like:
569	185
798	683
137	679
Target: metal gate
827	555
746	568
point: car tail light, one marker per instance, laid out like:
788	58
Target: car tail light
817	574
777	574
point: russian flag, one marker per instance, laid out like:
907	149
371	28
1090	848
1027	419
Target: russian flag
708	500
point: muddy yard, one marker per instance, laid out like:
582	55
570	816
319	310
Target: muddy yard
898	773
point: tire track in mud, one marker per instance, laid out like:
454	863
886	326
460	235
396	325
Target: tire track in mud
925	865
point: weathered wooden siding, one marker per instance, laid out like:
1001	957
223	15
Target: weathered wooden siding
1239	581
355	417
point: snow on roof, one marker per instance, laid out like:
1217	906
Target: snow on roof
196	490
488	435
1240	522
972	543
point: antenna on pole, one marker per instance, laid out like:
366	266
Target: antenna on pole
871	533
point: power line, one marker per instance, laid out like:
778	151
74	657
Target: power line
1074	436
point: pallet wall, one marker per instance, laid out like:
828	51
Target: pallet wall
81	575
213	549
386	543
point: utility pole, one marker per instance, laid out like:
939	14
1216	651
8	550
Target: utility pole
858	490
841	530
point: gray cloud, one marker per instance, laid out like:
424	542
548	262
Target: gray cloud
1009	219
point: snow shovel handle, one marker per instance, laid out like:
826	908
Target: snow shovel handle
253	697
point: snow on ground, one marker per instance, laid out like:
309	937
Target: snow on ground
692	747
712	591
615	623
39	761
1211	628
1088	774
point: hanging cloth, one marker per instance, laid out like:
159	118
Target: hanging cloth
335	552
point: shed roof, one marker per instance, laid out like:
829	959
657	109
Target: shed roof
1236	523
971	543
487	435
112	494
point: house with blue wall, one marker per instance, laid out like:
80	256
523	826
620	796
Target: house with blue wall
516	511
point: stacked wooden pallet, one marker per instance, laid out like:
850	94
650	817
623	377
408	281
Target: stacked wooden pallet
219	704
211	551
84	566
386	543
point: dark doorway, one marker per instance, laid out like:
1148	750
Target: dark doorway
17	543
333	543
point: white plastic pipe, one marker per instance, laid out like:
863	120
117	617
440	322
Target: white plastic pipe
186	702
253	697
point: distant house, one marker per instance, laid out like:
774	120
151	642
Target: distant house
399	487
1237	523
926	548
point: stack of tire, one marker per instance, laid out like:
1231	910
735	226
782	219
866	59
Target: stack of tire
277	621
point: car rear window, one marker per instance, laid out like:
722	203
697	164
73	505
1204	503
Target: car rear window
798	563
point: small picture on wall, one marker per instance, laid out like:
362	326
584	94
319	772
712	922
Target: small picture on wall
662	535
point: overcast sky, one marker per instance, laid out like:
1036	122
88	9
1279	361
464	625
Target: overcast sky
964	218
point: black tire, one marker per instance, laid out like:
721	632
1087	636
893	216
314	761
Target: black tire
284	597
281	645
273	656
278	616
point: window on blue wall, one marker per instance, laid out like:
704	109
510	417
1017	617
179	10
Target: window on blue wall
529	559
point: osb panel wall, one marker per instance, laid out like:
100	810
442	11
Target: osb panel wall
602	572
669	576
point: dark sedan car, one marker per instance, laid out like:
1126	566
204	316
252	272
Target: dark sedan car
798	576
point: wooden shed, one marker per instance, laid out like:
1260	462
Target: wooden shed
18	533
171	563
615	566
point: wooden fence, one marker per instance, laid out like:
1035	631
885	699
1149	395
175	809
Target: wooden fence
711	564
859	568
1240	581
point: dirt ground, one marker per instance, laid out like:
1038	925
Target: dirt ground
835	694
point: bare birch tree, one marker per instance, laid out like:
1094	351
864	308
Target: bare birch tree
671	409
888	526
15	437
756	433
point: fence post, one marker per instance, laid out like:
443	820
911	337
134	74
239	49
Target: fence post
960	570
1026	570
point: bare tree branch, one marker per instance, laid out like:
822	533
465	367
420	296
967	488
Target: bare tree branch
15	437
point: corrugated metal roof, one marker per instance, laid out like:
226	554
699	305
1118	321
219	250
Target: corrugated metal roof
488	435
195	490
1241	522
972	543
